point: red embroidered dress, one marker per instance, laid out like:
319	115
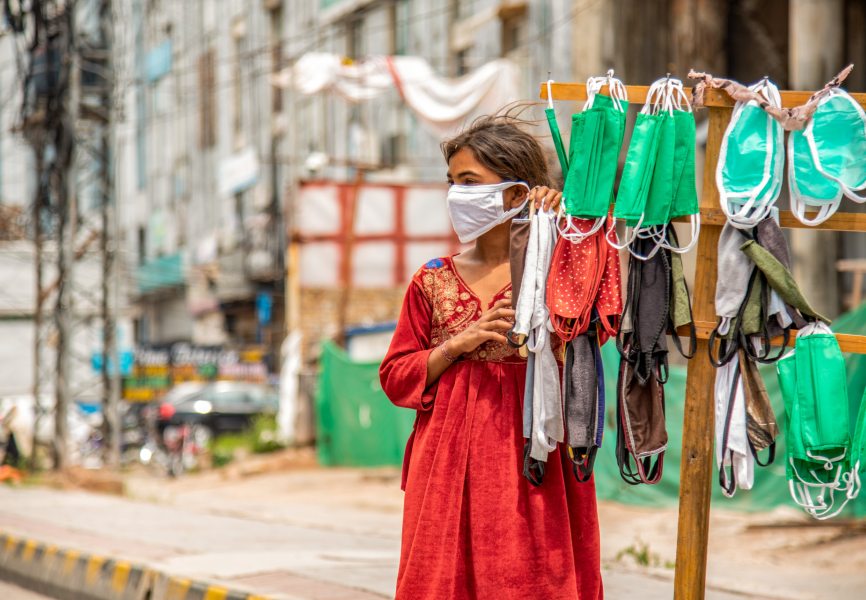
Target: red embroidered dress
473	526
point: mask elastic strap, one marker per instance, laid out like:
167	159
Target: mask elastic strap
695	221
653	252
618	245
593	87
572	232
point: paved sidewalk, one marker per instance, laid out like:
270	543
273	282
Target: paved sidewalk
283	560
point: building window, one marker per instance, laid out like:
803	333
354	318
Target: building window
399	15
239	27
142	245
355	38
207	99
513	31
276	19
462	61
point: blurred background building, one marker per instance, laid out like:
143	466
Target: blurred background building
246	209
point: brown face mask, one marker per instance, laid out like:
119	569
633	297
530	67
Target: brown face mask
641	433
760	420
517	255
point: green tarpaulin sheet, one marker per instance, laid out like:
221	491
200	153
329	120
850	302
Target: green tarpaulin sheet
358	426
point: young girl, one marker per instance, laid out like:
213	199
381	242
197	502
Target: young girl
473	526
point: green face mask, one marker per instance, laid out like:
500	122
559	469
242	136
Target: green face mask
751	159
596	138
685	193
836	136
658	179
858	444
587	133
634	184
660	197
557	139
818	447
808	187
685	201
608	158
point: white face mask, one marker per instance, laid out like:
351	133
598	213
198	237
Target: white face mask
476	209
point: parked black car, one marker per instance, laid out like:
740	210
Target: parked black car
216	408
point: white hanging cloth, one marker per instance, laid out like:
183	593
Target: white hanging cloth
732	441
443	104
532	319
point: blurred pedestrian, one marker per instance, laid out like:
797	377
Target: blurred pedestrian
473	526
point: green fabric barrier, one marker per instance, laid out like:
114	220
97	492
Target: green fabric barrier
356	425
770	489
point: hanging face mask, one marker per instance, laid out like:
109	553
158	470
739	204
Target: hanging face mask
596	138
818	447
550	113
631	199
808	187
658	205
751	160
476	209
836	136
685	193
645	190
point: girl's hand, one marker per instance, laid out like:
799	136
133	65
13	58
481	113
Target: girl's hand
545	198
491	326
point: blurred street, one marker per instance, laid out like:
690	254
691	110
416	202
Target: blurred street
304	532
218	218
16	593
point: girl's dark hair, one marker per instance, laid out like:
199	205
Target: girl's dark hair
500	144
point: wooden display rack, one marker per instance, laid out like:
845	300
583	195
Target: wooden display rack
698	464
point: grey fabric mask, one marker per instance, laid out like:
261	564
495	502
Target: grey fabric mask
735	268
580	390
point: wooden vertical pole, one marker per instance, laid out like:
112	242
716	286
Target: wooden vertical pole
697	457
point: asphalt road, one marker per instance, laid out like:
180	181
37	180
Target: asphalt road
250	544
11	592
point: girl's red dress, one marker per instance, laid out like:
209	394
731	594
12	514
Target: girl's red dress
473	526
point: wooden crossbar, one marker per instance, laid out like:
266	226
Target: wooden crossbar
712	97
697	466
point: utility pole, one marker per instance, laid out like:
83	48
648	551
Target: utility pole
110	359
49	111
67	200
38	215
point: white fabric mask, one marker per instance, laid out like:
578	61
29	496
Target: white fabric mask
476	209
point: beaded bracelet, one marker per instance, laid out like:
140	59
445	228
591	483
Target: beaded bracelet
447	355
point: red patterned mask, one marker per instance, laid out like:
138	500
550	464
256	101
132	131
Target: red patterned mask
608	303
574	280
